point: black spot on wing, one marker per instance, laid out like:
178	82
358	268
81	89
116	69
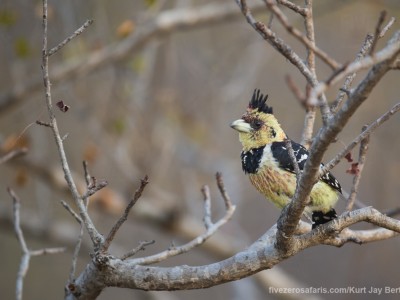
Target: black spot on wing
329	179
281	154
251	160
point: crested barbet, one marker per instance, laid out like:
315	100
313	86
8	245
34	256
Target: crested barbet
266	159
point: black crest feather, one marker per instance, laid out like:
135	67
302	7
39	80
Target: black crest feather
258	101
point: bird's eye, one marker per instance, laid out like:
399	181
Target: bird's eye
256	124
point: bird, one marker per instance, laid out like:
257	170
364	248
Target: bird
266	160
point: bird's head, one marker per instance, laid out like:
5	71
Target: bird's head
258	126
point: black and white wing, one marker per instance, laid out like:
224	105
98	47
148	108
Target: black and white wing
281	154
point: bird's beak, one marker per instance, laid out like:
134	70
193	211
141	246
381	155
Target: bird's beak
241	126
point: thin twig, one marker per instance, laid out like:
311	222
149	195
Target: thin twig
45	124
75	255
292	213
360	167
378	26
288	144
13	154
26	253
93	188
17	224
349	79
389	51
95	236
88	182
45	251
309	118
387	27
386	116
222	190
77	244
141	247
124	217
176	250
71	211
68	39
207	207
300	37
300	10
277	43
163	24
86	173
365	48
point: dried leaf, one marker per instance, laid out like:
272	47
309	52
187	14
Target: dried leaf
354	170
349	157
62	106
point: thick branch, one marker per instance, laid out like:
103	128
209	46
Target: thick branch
292	213
263	254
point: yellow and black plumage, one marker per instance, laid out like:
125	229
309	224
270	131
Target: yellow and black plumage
265	158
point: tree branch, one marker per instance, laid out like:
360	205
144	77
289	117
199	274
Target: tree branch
13	154
371	128
292	213
68	39
300	10
349	78
164	23
211	228
93	233
277	43
390	51
360	167
261	255
142	246
26	253
310	44
124	217
378	30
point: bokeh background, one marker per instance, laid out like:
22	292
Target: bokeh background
163	109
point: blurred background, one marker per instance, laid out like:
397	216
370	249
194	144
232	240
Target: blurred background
159	102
